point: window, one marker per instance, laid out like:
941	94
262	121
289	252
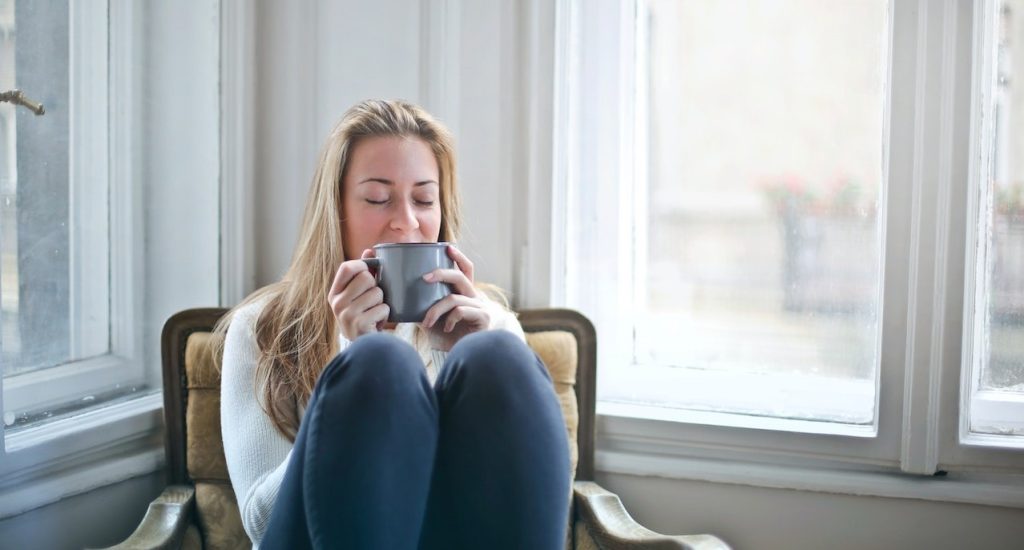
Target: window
109	223
770	223
56	265
994	385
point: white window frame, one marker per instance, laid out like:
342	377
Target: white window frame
915	432
979	406
90	235
44	463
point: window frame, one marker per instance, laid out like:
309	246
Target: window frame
926	126
96	229
123	439
977	404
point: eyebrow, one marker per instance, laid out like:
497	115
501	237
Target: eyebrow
389	182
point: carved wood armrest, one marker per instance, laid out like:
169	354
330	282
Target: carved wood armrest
612	527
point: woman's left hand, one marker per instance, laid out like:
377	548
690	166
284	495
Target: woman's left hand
460	313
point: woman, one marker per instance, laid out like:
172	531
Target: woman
342	431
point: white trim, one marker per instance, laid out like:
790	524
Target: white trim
730	419
991	411
562	150
145	409
41	389
440	74
97	473
975	256
536	254
934	160
963	489
126	227
36	454
237	146
88	246
911	451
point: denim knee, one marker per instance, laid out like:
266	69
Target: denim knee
496	358
372	361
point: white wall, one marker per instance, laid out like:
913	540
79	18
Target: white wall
316	59
96	519
769	519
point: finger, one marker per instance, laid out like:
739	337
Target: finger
460	283
358	286
367	300
368	253
462	314
346	271
377	315
461	261
446	304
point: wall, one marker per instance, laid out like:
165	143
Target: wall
96	519
315	59
767	519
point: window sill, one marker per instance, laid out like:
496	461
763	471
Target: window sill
646	452
68	457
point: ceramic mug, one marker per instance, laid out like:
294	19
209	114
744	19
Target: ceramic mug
399	269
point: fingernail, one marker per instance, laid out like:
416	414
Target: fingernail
429	277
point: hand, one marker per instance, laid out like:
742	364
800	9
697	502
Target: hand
356	300
460	313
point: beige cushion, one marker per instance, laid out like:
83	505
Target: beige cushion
204	447
219	520
192	540
217	509
558	351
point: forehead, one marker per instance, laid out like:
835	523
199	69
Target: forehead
393	158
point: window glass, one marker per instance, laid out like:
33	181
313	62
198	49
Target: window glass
999	339
761	257
34	188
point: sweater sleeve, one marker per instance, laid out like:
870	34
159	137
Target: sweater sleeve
257	455
503	319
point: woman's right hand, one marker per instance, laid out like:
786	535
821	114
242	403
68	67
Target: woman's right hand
356	300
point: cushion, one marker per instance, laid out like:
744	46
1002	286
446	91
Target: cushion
204	446
219	520
558	351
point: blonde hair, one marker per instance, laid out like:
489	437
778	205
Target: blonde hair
295	331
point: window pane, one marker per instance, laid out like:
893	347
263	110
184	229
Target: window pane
1005	368
765	131
35	239
998	408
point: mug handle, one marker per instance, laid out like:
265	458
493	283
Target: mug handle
372	263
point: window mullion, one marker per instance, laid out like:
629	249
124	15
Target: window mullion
934	164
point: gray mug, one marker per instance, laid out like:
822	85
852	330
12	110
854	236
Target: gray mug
399	269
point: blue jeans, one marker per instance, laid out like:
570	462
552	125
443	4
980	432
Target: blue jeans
383	460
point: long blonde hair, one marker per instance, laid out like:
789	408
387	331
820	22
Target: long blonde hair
295	331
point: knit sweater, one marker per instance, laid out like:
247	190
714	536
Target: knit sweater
257	454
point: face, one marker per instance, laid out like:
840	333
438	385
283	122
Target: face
390	194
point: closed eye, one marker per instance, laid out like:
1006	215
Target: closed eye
377	202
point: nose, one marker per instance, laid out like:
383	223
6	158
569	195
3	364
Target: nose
404	219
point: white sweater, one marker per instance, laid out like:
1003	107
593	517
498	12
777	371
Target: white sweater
257	455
